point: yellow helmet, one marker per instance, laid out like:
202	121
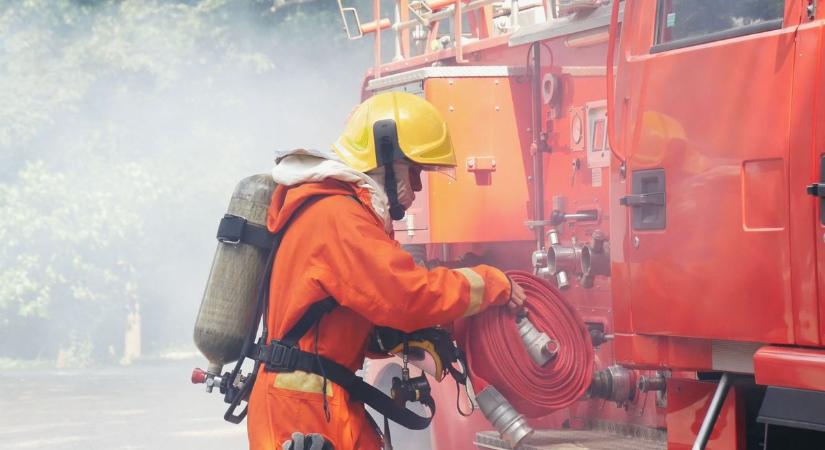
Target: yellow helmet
404	125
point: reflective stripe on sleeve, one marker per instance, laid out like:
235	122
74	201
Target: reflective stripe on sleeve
476	290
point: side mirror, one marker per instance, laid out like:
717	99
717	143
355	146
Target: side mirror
352	24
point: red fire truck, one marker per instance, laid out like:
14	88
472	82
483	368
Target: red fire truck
660	162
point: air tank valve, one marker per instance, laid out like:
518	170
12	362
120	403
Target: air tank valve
539	346
511	425
200	376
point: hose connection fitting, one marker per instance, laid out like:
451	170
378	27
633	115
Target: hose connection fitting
511	425
558	261
655	383
615	384
599	259
539	346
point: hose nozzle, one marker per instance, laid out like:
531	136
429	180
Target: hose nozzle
511	425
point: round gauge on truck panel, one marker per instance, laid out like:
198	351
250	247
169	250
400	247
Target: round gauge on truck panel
576	131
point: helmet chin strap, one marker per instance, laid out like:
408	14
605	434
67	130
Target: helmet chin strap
386	139
397	210
391	183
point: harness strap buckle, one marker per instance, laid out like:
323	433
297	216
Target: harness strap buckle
278	357
231	228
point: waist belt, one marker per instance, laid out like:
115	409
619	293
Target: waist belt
278	357
284	356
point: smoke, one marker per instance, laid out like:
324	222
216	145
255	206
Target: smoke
124	126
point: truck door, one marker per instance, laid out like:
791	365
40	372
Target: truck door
808	176
706	140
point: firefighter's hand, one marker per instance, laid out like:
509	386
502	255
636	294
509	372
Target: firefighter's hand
313	441
517	298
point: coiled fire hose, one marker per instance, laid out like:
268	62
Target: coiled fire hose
497	355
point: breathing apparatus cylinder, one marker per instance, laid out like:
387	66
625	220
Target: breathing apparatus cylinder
230	298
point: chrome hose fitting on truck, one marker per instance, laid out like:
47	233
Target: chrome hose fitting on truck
557	262
615	383
510	424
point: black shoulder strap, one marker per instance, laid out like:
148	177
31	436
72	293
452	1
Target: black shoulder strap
308	320
315	312
263	294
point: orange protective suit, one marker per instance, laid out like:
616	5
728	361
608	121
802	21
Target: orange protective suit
337	246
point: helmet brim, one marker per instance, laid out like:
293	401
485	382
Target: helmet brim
449	171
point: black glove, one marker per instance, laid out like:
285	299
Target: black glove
312	441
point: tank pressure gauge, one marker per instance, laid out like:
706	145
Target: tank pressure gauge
576	131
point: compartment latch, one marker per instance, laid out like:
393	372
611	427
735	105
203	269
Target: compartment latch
647	199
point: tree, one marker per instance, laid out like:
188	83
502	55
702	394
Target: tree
124	126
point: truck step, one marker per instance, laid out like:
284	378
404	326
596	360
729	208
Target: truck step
605	437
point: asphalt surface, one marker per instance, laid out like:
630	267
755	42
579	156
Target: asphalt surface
137	407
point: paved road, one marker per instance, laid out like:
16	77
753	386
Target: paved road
138	407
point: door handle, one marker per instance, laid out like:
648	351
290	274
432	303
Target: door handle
817	190
648	199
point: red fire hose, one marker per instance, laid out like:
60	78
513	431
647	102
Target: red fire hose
496	353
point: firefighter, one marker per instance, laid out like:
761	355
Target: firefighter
339	207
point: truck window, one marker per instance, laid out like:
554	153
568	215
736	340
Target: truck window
682	23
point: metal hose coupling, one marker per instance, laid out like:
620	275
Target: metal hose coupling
562	261
539	346
511	425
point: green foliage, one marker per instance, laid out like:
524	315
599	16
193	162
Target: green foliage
123	127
